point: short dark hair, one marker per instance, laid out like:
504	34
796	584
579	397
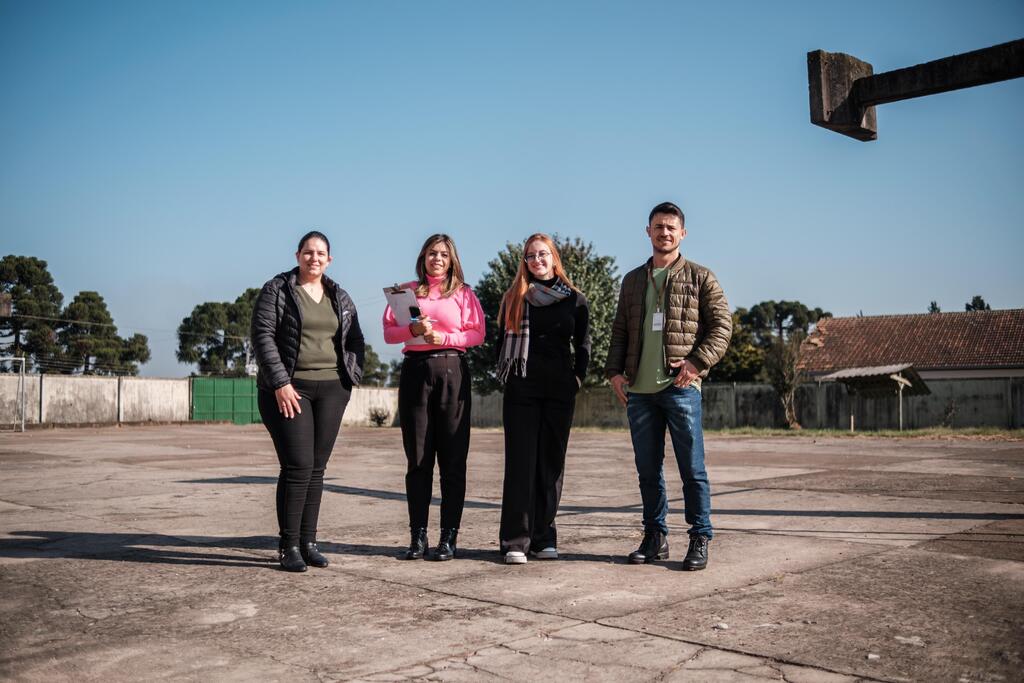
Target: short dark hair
669	208
314	234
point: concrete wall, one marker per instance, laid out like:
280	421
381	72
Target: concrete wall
957	403
145	399
486	410
75	399
365	399
9	398
66	399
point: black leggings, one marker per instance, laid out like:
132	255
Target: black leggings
434	403
303	444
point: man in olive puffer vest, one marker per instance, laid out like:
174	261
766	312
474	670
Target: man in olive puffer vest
671	325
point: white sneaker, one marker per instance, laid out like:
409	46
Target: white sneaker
549	553
515	557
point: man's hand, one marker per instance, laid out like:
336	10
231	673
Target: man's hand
687	373
287	401
619	384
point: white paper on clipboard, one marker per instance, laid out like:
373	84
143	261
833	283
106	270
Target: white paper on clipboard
401	300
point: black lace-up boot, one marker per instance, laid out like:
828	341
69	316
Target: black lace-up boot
697	555
653	547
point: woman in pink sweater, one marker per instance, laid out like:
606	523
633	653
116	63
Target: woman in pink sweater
435	390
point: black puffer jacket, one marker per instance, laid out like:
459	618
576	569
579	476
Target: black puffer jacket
277	331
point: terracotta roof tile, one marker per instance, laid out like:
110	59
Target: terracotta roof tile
969	340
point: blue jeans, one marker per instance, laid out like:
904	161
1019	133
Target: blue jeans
679	410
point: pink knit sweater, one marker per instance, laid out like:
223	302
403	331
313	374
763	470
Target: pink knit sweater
459	317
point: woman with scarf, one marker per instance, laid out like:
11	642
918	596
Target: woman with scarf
434	390
543	316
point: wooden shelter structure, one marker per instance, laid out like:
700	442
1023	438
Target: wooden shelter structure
880	381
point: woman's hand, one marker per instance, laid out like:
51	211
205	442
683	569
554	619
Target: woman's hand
420	327
434	337
287	401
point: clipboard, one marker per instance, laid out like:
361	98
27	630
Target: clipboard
401	300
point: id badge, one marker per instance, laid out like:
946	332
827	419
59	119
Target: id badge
658	323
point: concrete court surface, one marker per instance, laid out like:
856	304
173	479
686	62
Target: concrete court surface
142	553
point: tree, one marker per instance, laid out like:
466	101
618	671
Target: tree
35	310
88	335
90	341
977	304
780	364
80	338
215	336
375	373
394	372
778	328
594	275
770	319
933	307
744	360
134	350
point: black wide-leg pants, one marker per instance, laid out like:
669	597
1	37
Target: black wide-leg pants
434	405
303	444
537	414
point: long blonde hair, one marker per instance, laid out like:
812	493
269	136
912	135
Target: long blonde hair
512	301
454	279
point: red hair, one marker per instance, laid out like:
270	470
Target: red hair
512	301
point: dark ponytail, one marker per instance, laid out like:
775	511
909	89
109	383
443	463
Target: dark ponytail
314	234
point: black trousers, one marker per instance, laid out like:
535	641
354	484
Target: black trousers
303	444
434	405
537	415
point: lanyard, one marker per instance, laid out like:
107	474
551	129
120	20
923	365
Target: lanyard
659	294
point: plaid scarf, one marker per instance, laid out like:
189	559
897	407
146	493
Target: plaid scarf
516	346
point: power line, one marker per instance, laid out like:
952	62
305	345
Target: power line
70	367
146	329
174	333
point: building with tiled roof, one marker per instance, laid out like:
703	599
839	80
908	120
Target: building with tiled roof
968	345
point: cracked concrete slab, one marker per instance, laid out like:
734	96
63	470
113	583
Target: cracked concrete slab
603	584
860	517
925	616
149	552
1003	540
935	486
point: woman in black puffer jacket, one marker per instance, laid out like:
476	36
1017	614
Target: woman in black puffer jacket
309	348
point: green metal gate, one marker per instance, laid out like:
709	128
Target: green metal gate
225	398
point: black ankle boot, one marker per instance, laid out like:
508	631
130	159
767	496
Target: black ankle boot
312	555
291	559
697	556
445	549
653	547
417	545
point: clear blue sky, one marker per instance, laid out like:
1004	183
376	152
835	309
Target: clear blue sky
170	153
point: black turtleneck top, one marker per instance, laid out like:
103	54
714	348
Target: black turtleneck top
558	332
